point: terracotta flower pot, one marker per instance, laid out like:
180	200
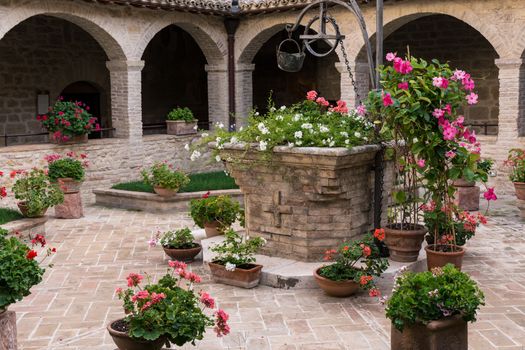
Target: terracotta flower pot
125	342
404	245
520	190
68	185
186	255
181	127
73	140
25	211
339	289
447	333
463	183
439	259
165	192
212	229
244	278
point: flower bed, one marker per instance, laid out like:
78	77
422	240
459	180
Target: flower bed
8	215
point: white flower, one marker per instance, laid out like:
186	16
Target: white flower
263	129
298	134
195	155
415	140
195	127
187	147
230	266
218	158
298	142
279	117
204	134
227	173
290	144
347	141
218	139
262	145
283	108
328	113
296	117
220	125
256	113
241	128
323	128
331	142
264	240
234	139
357	134
344	133
307	126
272	109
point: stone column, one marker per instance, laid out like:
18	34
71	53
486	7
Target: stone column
244	93
361	78
126	98
218	94
509	100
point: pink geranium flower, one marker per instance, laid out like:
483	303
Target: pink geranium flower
403	85
361	110
387	100
311	95
438	113
421	163
390	56
490	195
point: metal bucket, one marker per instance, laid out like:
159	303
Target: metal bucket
290	62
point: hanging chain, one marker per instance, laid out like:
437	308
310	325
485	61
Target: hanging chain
348	68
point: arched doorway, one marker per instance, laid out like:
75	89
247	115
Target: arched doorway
38	57
92	96
173	76
286	88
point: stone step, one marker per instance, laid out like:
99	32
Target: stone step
292	274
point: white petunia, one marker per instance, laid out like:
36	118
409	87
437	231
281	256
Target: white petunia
204	134
357	134
298	134
218	158
296	117
283	108
272	109
279	117
347	141
230	266
344	133
187	147
234	139
220	125
323	128
263	145
263	129
307	126
298	142
290	144
256	113
195	155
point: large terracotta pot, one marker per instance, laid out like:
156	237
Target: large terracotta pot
73	140
450	333
335	288
181	127
520	190
244	278
125	342
165	192
8	330
212	229
440	259
404	245
68	185
186	255
24	210
463	183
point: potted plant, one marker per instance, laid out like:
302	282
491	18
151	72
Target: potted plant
166	182
164	313
180	121
430	310
234	263
516	162
310	152
67	171
467	192
19	271
68	122
462	223
178	244
36	193
215	213
355	265
424	99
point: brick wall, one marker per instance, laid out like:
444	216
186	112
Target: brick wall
45	54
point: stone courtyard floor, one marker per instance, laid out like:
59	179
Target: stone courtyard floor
71	308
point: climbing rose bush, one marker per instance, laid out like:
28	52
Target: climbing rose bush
310	123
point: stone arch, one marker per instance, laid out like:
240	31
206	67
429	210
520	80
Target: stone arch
212	43
79	14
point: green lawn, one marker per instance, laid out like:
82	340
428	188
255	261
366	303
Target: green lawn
217	180
7	215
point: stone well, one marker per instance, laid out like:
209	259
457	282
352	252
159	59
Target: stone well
305	200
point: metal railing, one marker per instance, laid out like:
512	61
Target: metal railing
100	132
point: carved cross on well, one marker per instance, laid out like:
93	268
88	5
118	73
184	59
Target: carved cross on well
277	208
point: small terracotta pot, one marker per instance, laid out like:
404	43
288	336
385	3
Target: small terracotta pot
404	245
125	342
520	190
165	192
447	333
24	210
180	127
186	255
338	289
212	229
463	183
440	259
68	185
73	140
244	278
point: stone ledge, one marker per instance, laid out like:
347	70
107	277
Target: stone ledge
292	274
25	226
150	202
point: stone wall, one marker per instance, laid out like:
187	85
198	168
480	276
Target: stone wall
43	55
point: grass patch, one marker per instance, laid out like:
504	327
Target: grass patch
217	180
7	215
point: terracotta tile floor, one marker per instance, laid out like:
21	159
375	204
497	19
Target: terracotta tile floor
72	306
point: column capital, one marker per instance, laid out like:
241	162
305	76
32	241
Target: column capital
244	67
514	62
213	68
123	65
